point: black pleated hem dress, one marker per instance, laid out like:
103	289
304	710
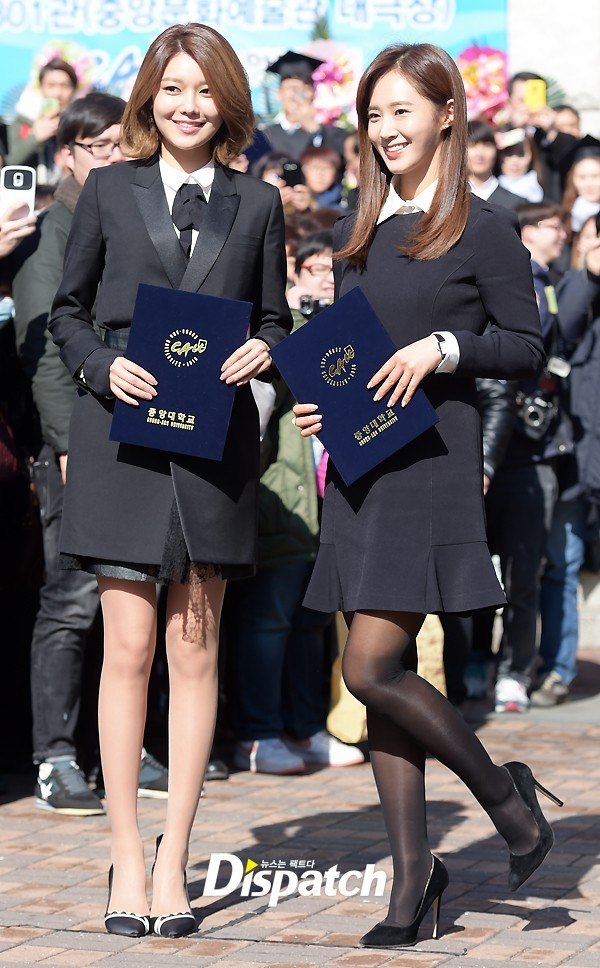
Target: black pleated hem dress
410	535
458	579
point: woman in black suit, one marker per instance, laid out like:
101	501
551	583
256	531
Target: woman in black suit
174	216
409	537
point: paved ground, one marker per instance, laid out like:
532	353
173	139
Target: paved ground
53	870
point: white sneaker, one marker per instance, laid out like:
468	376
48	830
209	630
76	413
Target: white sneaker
267	756
325	750
510	696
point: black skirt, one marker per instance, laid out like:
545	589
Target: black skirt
175	567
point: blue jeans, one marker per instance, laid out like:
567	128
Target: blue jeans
277	654
565	550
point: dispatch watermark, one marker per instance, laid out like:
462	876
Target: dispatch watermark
283	878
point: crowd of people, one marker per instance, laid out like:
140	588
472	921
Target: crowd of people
541	450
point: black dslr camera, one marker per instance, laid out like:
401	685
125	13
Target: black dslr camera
309	307
538	410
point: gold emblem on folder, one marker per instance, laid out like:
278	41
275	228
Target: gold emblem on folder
183	347
337	368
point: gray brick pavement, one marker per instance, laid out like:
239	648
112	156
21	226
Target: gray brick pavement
53	869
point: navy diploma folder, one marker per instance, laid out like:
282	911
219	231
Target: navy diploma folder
182	339
329	361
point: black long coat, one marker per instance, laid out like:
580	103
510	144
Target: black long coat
118	497
410	535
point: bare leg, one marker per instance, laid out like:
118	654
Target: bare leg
129	612
193	616
377	673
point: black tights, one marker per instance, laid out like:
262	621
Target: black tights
407	718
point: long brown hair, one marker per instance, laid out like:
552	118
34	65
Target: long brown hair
225	75
435	76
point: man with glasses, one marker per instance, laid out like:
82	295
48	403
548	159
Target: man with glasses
314	273
88	137
523	493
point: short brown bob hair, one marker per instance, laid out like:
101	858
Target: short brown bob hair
228	83
435	76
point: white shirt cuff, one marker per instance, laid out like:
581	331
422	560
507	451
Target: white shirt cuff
450	360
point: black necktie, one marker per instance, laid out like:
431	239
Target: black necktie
188	211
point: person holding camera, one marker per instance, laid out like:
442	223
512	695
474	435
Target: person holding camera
553	144
321	171
278	648
296	128
521	499
579	303
33	142
313	288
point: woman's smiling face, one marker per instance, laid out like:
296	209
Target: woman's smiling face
404	127
185	113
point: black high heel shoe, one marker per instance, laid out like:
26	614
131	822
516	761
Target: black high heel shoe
174	925
124	922
393	936
522	866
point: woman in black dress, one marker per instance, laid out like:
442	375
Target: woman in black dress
450	280
174	216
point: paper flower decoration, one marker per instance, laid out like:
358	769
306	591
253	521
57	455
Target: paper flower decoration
336	80
77	56
82	61
484	72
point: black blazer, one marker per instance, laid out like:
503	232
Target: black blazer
502	196
294	143
119	497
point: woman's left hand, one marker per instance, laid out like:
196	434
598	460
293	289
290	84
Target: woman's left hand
251	359
405	369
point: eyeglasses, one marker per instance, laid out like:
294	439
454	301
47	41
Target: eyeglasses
98	149
318	268
555	226
319	167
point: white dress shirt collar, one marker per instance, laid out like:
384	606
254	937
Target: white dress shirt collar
395	205
173	178
283	122
488	188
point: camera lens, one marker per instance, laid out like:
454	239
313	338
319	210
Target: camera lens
19	179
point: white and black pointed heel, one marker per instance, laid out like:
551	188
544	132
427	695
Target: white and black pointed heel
124	922
174	925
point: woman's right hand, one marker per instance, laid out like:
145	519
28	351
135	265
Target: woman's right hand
306	419
128	380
